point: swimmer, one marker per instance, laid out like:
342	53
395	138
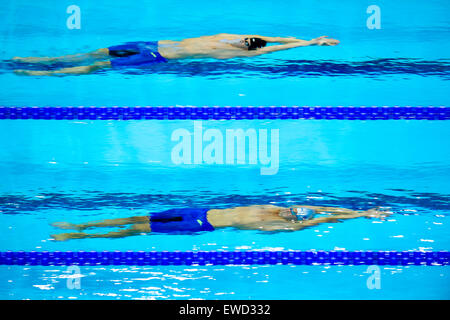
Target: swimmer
190	220
143	53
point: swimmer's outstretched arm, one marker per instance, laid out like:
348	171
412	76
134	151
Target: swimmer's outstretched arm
318	209
267	39
299	225
74	70
321	41
276	39
332	210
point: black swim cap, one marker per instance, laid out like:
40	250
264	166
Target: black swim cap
254	43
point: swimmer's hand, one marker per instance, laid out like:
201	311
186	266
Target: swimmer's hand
377	213
324	41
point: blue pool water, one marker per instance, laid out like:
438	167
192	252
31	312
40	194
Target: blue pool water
85	170
403	63
111	169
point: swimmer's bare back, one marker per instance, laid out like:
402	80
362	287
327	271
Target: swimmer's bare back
219	46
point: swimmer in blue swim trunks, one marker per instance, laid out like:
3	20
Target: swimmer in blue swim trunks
194	220
144	53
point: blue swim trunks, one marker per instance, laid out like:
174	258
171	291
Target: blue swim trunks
180	221
139	53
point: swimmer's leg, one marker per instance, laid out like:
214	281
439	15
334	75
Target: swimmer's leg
102	223
134	230
74	70
102	53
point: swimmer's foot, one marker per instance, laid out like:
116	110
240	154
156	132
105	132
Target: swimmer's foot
68	236
67	225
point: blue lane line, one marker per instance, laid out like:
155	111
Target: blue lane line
226	113
153	258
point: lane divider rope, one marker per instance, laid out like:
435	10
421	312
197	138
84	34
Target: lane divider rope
226	113
156	258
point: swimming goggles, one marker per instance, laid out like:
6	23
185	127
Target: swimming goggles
302	213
